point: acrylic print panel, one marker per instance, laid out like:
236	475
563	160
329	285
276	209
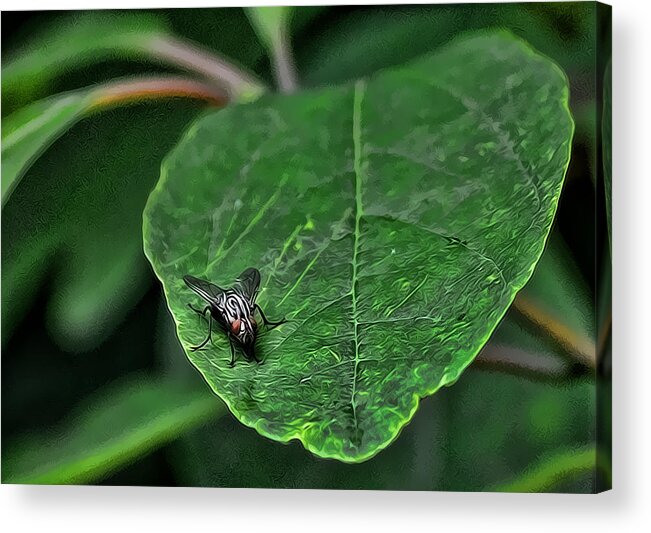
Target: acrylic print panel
332	247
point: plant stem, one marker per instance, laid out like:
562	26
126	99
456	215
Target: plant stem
283	64
239	84
126	91
579	347
512	360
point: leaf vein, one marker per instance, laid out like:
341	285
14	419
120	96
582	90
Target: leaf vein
407	298
503	135
303	322
254	220
360	87
305	271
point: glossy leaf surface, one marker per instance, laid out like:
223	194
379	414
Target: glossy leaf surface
393	222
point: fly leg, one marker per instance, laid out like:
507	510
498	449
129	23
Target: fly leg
208	338
230	341
249	350
202	314
267	322
199	312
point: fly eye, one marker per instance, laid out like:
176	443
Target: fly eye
235	326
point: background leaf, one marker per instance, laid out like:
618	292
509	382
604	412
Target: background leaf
553	470
122	422
272	24
81	196
437	256
78	225
81	39
28	132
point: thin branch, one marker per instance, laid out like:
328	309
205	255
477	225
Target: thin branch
283	64
512	360
579	347
134	90
31	137
238	83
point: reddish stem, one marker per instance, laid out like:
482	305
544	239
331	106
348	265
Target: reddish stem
127	91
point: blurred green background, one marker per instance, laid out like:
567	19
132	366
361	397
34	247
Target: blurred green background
95	386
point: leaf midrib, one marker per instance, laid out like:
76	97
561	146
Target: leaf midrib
358	96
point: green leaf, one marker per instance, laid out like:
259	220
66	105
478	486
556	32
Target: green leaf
31	130
607	146
393	223
488	428
76	217
124	421
27	133
269	23
72	43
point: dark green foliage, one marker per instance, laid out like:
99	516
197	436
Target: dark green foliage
72	258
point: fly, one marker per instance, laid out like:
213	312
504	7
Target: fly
233	309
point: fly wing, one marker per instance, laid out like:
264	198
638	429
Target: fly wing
248	283
208	291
